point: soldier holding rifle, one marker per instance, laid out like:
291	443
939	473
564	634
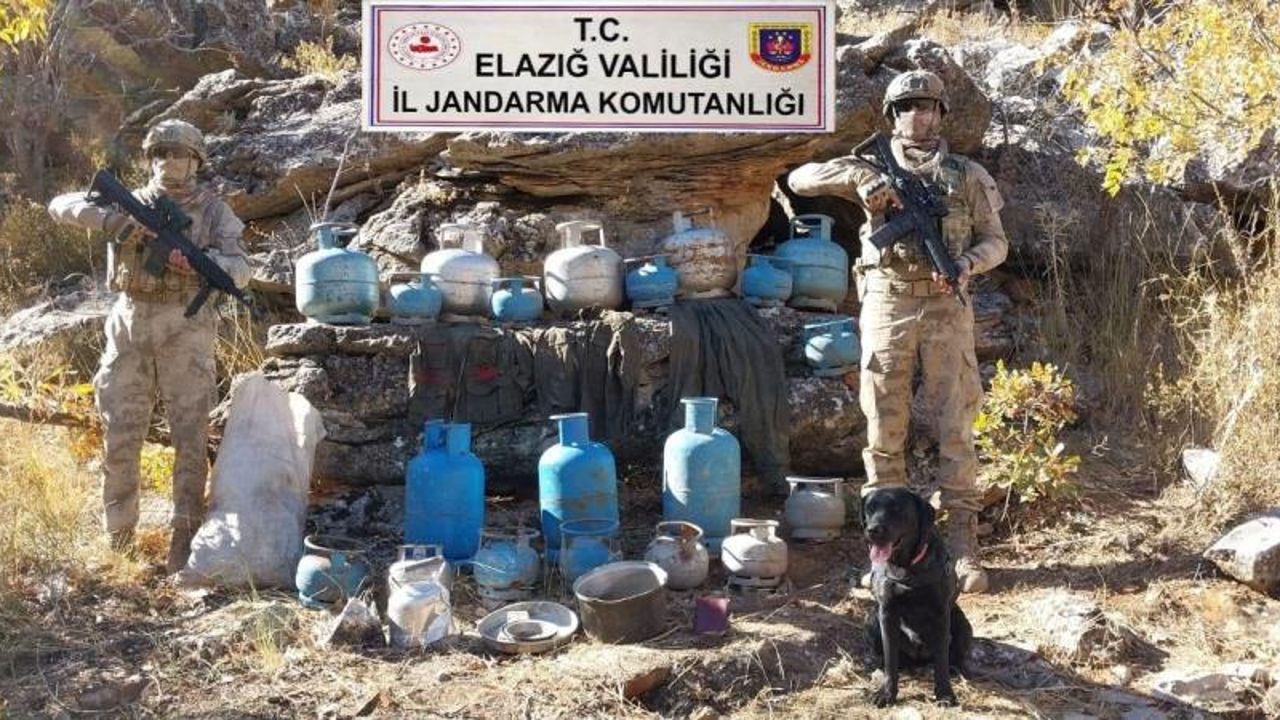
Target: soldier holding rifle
171	243
932	223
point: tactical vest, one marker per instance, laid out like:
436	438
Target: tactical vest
905	258
126	261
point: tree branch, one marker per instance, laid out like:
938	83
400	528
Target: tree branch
1160	64
40	417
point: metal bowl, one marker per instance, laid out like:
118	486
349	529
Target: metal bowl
522	628
527	631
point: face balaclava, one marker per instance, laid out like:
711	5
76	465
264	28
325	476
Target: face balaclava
176	176
919	132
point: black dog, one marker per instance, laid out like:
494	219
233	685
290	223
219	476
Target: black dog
917	621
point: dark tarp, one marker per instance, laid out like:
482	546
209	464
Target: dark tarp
490	376
591	367
721	348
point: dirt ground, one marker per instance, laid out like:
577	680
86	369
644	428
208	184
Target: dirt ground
149	649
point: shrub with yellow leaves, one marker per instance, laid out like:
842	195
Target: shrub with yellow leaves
1197	74
1018	432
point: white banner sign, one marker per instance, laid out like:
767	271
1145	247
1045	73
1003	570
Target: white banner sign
638	67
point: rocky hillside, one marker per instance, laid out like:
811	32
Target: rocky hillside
1103	604
276	89
277	138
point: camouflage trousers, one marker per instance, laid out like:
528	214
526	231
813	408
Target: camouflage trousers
151	345
903	323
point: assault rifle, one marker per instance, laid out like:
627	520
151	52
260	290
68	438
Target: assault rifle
169	225
921	213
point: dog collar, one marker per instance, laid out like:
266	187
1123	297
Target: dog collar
920	555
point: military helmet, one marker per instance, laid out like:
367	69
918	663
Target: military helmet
915	85
176	132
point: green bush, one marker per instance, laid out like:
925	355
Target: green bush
1017	433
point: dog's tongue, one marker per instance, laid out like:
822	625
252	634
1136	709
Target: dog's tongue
880	554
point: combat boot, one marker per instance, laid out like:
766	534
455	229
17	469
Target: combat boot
962	543
179	549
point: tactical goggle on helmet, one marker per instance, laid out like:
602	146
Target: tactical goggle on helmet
175	133
915	85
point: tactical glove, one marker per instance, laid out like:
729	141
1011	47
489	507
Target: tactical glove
876	195
123	229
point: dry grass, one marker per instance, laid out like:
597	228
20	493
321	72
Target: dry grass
273	634
1224	390
241	345
950	29
46	500
1120	310
319	59
1231	391
54	557
35	251
1184	350
50	538
945	27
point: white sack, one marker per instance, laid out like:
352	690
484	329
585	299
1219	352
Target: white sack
252	536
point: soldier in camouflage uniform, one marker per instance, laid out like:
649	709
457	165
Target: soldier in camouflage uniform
908	315
149	342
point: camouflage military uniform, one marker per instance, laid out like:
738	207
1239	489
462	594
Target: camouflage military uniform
907	318
150	345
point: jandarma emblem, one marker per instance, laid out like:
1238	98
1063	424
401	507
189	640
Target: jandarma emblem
424	46
780	47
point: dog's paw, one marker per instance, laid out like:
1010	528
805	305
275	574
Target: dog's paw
945	696
884	696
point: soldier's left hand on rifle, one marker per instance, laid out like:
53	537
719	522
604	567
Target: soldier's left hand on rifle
178	263
962	282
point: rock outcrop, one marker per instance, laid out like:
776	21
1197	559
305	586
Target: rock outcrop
1250	553
358	378
68	326
122	60
1055	209
275	144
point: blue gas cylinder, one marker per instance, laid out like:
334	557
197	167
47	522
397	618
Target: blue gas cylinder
330	571
766	282
587	544
702	473
819	267
831	348
515	300
577	479
506	566
415	301
652	284
335	284
444	492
